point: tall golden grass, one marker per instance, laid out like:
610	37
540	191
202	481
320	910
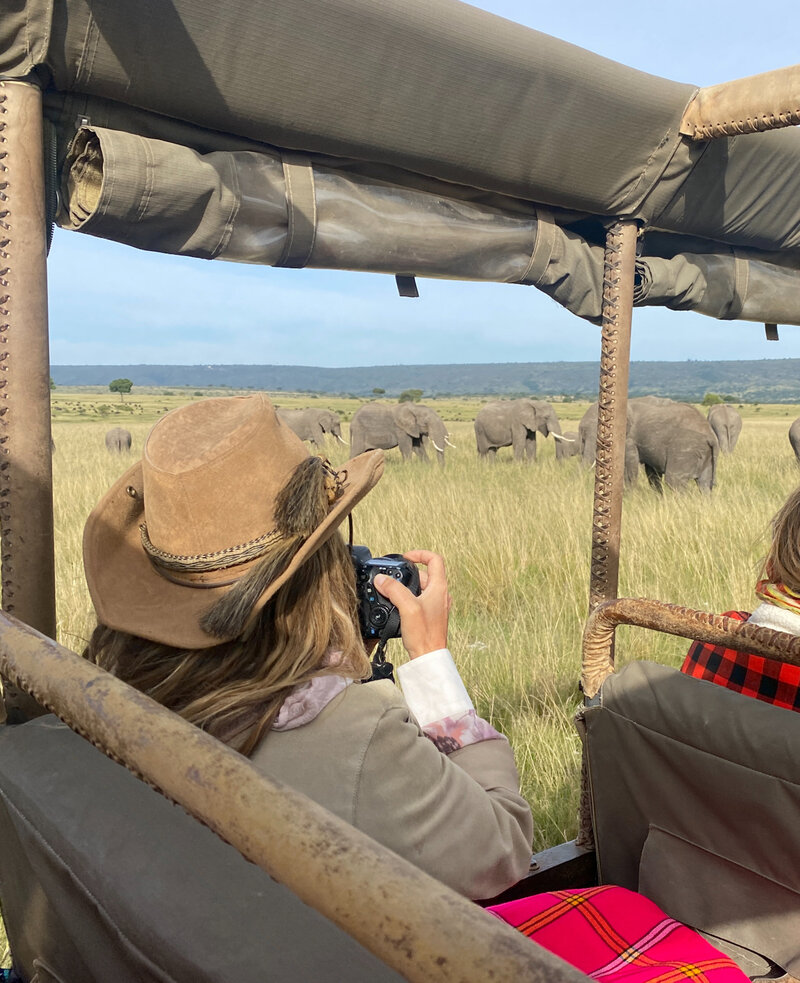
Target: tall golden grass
516	539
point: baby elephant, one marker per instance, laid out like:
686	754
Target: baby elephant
118	440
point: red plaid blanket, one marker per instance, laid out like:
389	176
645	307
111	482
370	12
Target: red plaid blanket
616	935
765	679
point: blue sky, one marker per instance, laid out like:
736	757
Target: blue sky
112	304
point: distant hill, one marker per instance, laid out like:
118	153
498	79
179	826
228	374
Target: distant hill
764	381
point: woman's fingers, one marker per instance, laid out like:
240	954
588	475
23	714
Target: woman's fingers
423	618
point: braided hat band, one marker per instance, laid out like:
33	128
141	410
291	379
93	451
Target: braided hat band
234	556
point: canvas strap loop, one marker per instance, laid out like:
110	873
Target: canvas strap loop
301	206
741	281
542	247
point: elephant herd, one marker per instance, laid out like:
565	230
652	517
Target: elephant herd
673	441
412	427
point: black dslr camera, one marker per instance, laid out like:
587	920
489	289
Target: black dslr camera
377	616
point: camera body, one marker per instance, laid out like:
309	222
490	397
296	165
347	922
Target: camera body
374	610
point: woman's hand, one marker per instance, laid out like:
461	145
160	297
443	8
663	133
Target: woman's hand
423	619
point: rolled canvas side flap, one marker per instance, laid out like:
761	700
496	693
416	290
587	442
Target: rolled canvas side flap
148	193
278	209
722	898
724	285
272	209
567	268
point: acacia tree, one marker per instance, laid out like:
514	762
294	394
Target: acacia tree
121	386
410	396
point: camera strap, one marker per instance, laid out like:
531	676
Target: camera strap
381	669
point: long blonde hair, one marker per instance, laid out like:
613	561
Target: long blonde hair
235	690
782	563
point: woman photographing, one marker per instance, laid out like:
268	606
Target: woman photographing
224	590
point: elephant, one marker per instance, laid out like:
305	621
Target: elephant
514	423
587	439
794	438
672	440
118	440
404	425
568	446
313	424
726	424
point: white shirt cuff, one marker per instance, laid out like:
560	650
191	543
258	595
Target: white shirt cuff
433	688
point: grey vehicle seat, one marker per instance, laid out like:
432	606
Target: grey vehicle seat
102	879
695	795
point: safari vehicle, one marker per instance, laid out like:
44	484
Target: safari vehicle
270	133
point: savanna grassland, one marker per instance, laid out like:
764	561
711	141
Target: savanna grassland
516	539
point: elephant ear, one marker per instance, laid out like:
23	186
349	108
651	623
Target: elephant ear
527	415
406	418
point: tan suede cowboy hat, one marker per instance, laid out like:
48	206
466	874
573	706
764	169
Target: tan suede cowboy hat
223	508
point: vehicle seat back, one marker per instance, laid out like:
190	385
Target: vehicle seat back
101	879
695	793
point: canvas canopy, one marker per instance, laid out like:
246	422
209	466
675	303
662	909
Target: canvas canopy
427	138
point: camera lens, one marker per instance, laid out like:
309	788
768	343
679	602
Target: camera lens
379	616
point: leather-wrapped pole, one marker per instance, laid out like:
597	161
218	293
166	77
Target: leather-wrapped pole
750	105
26	490
619	267
612	409
415	924
715	629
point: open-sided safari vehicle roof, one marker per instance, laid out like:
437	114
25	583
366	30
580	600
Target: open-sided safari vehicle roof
452	144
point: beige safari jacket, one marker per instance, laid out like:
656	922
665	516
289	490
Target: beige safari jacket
459	817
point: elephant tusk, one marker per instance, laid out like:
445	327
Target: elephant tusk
449	443
336	435
438	448
567	440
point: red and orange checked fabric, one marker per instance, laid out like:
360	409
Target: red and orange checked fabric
617	936
769	680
